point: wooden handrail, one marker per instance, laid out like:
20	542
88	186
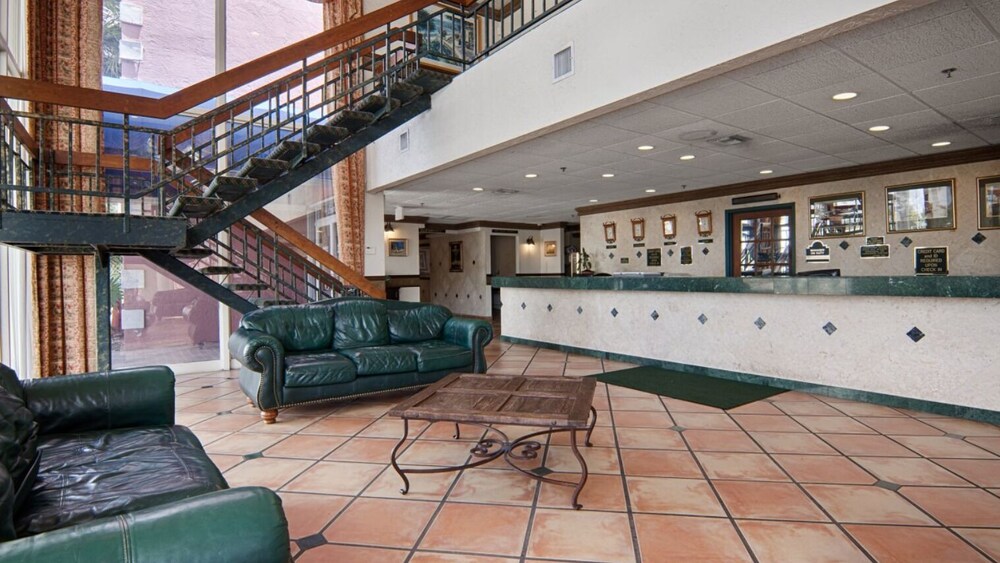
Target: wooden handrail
311	249
173	104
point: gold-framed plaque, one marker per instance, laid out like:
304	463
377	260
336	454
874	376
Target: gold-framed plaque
610	234
669	222
638	229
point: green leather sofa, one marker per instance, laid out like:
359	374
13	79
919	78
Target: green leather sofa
351	347
92	468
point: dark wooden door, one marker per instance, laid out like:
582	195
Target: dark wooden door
762	242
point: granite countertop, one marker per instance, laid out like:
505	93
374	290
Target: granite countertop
893	286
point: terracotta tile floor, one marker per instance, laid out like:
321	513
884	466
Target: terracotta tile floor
796	477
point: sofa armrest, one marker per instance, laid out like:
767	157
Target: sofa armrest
262	353
98	401
473	334
243	524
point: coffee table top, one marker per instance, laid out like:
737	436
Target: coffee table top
503	399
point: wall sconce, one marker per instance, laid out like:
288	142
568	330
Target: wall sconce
388	228
530	241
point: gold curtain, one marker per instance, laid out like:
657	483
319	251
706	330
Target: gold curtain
349	174
64	47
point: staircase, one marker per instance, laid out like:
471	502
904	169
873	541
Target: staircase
182	195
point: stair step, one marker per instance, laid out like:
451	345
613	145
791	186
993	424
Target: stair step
267	302
290	150
326	135
375	103
195	207
191	253
352	120
246	286
404	91
231	188
430	80
220	270
264	169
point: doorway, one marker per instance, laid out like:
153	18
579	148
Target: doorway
761	241
503	262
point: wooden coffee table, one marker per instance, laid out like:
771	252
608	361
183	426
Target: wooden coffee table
559	404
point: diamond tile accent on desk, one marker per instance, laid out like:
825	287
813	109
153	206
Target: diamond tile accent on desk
844	244
830	328
907	241
654	315
549	307
915	334
614	312
523	306
979	238
670	252
702	318
705	251
638	254
760	323
579	310
611	255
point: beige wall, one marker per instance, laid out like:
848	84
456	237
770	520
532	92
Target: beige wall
466	292
965	256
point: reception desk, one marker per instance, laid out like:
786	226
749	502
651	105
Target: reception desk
929	343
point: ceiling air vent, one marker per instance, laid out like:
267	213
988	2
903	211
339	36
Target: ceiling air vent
562	64
730	140
404	141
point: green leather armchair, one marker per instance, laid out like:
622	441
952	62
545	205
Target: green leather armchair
92	468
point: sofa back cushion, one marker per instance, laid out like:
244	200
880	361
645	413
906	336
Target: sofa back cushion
18	444
299	328
10	382
416	324
358	323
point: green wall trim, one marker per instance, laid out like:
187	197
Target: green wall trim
892	286
945	409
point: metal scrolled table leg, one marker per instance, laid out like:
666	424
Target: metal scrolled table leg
583	468
406	432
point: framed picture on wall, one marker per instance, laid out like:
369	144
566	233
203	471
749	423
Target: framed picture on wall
638	229
669	226
456	256
398	247
425	261
704	221
989	202
610	234
838	215
550	247
920	207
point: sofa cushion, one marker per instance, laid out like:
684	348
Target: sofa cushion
436	355
18	443
417	324
376	360
323	368
92	475
297	327
10	382
358	323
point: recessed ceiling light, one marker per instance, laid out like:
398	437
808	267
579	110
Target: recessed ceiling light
941	144
593	201
645	147
878	128
688	157
477	189
650	191
845	96
767	171
531	175
608	175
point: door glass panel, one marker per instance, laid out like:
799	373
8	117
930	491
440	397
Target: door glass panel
764	243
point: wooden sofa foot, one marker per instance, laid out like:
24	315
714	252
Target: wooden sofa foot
269	416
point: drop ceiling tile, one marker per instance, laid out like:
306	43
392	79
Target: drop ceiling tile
726	99
990	9
870	87
818	163
970	63
829	68
770	113
691	90
783	60
985	107
595	136
807	124
598	157
727	163
959	91
659	145
959	140
889	152
546	146
707	126
908	18
836	139
947	34
653	120
612	117
777	170
879	110
775	152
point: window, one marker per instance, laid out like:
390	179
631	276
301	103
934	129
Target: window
762	242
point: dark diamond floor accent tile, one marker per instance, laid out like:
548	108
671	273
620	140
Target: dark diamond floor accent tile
845	245
614	312
254	455
654	315
886	485
830	328
542	471
207	386
979	238
579	310
670	252
760	323
549	308
915	334
705	251
702	318
907	241
310	542
677	428
523	306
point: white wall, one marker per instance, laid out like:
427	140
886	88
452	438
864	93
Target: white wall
408	265
622	54
552	264
529	255
374	235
